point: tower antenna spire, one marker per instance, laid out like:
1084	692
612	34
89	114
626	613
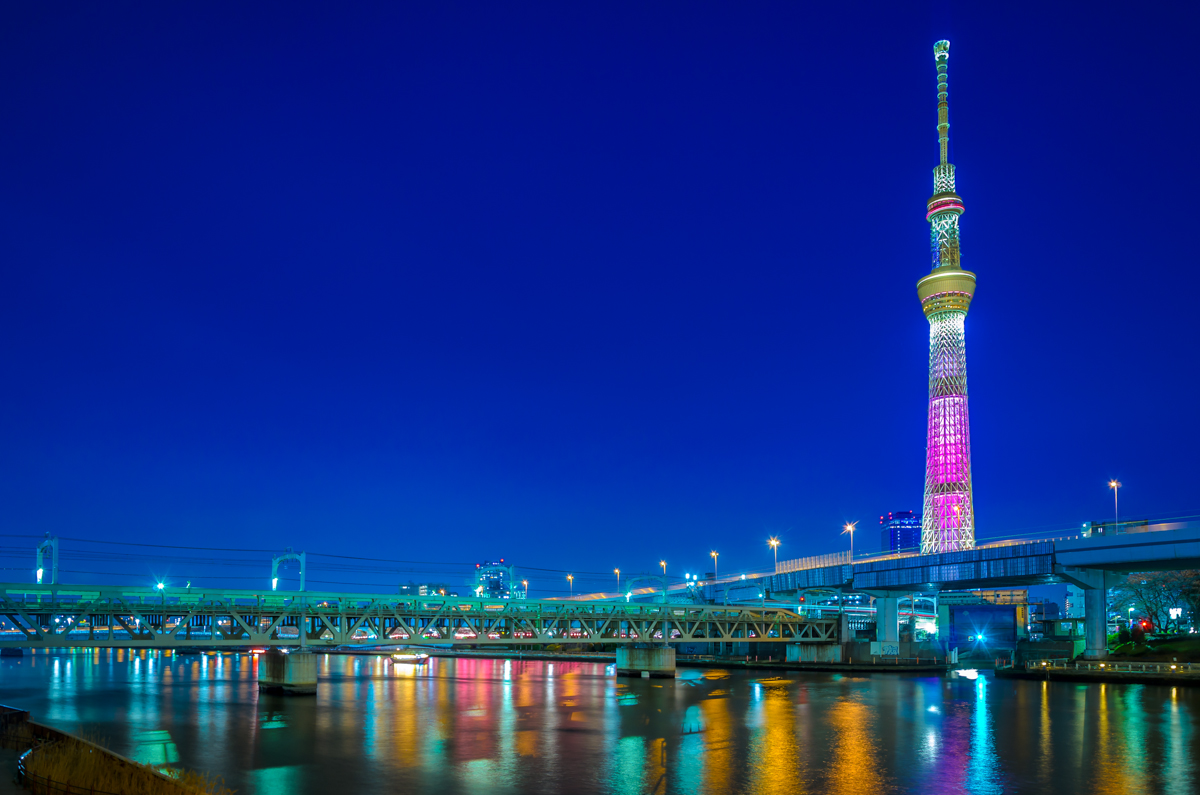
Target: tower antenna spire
948	519
941	54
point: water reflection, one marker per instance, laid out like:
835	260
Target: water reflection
472	725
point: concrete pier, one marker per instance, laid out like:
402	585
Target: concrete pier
656	662
814	652
293	673
1095	623
1095	584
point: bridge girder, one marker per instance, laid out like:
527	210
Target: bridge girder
190	617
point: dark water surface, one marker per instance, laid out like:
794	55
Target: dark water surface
494	726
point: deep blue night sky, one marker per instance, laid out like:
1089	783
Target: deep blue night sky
581	286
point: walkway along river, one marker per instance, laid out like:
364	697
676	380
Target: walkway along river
455	725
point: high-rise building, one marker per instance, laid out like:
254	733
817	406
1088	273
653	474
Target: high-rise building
495	580
899	531
948	517
1074	601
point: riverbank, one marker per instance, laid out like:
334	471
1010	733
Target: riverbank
45	759
1113	672
8	772
683	661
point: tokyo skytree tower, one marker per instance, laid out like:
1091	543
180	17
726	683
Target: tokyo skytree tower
948	521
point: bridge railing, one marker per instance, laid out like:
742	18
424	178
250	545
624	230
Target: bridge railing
813	562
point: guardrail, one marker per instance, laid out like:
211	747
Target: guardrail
1113	666
877	660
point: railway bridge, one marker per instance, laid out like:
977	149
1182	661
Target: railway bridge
98	616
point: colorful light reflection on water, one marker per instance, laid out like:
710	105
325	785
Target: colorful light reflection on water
477	725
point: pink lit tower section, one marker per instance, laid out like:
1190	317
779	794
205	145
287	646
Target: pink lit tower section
948	521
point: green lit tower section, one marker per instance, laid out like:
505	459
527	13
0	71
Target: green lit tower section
948	520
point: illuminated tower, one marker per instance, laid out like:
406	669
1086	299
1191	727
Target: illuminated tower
948	521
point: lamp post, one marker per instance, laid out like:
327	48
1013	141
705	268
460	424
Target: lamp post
618	573
525	585
716	578
663	563
773	543
1115	485
850	529
571	584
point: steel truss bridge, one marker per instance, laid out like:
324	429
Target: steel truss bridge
42	616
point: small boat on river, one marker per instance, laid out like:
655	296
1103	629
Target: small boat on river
410	657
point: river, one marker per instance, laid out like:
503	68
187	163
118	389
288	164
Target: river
500	726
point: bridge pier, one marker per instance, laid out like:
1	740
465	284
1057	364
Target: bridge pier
294	673
1095	584
816	652
887	615
657	662
1095	623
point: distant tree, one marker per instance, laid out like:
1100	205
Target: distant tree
1154	593
1190	590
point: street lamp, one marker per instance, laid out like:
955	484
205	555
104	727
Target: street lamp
663	563
714	555
850	529
525	585
1115	485
773	543
571	583
618	573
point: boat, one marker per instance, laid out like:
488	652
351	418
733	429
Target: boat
412	657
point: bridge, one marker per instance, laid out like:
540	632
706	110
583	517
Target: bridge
1094	564
58	615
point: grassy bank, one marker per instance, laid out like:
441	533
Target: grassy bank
89	768
1169	650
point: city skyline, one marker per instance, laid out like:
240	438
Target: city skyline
284	299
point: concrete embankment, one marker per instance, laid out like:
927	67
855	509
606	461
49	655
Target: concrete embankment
1108	675
709	662
587	656
50	760
801	667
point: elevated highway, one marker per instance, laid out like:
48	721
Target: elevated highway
1094	564
1004	565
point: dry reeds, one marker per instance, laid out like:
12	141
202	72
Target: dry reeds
87	768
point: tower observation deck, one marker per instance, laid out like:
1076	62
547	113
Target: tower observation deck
948	520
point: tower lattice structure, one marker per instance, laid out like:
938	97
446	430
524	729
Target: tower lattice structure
948	521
